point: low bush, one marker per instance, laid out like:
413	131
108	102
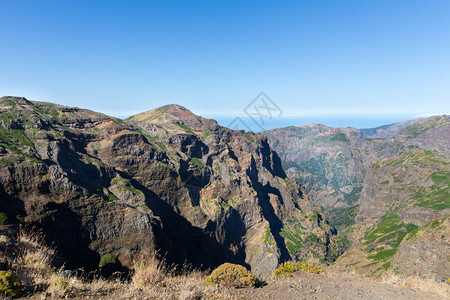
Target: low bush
287	268
231	275
58	289
10	285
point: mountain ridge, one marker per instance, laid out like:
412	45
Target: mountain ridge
195	191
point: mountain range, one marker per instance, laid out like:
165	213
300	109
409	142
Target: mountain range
170	181
385	189
165	180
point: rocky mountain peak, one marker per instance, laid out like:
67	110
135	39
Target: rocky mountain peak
174	119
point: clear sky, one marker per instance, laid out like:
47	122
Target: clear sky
313	58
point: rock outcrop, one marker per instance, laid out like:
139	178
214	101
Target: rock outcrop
164	180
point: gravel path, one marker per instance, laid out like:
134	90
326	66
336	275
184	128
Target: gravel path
335	286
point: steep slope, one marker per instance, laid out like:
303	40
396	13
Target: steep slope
328	162
164	180
401	183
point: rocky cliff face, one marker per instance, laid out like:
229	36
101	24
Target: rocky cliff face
164	180
377	186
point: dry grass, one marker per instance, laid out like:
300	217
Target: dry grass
153	279
149	272
150	279
33	254
34	260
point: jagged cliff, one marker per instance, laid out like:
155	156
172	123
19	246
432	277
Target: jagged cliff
164	180
378	187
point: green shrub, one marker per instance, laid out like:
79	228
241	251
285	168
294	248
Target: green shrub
62	284
10	285
231	275
287	268
106	260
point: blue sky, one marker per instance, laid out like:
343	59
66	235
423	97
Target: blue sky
353	60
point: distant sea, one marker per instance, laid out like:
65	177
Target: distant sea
356	121
360	121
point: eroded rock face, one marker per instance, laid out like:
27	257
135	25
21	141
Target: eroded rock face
164	180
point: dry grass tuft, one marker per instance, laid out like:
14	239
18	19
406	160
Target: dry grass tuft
151	279
34	256
149	272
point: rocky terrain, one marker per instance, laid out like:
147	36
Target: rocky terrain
385	189
342	286
107	192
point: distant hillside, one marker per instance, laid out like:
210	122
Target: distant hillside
380	187
387	131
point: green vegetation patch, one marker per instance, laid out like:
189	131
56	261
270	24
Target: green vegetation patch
419	157
206	132
268	238
196	161
436	197
112	197
184	127
353	196
383	254
106	259
435	225
340	137
342	217
292	233
15	140
10	102
125	185
423	126
390	230
225	204
10	284
3	218
40	109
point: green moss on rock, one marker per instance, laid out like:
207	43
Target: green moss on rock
106	260
10	284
